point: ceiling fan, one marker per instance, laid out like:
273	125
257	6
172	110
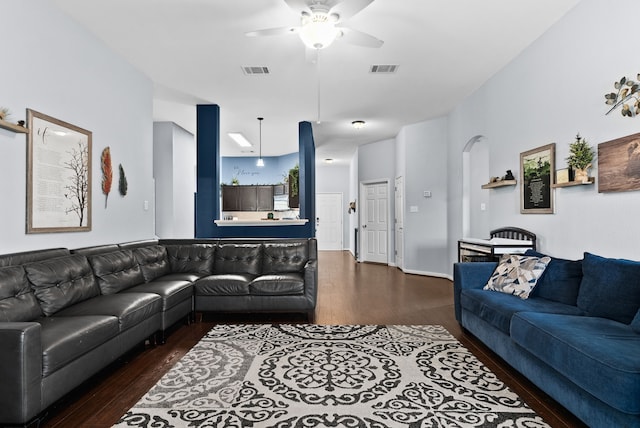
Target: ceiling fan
321	23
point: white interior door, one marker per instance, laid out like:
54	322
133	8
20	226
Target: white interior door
375	225
329	221
399	221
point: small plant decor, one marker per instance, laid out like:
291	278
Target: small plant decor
626	95
294	177
4	113
581	155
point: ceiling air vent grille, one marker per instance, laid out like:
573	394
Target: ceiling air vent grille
249	71
383	68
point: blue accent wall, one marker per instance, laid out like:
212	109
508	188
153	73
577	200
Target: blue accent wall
208	183
247	172
208	165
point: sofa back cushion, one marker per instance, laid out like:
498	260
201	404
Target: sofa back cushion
194	258
238	258
61	282
284	257
153	261
116	271
560	281
25	257
17	301
610	288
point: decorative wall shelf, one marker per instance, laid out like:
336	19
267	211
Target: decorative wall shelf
502	183
13	127
574	183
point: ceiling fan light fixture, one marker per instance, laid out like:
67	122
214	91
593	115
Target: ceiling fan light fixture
358	124
318	31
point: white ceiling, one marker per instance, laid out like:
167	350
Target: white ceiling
193	51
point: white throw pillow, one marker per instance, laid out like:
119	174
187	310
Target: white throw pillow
517	275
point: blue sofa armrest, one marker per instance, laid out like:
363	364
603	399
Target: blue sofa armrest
20	371
469	276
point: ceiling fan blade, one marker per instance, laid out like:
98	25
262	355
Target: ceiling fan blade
358	38
280	31
298	5
347	8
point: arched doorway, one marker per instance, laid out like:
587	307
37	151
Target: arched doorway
475	200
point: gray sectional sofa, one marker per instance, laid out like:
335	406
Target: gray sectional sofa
66	314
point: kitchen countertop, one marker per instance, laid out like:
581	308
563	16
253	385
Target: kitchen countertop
261	222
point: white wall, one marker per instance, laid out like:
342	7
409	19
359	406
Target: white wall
553	90
335	179
174	163
425	231
53	66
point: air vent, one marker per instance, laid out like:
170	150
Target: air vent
255	70
384	69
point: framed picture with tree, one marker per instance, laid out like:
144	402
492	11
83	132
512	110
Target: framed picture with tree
537	169
58	175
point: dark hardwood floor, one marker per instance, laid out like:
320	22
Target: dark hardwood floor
349	293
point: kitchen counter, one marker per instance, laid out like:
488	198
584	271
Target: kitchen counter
261	222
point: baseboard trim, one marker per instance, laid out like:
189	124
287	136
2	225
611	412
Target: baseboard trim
425	273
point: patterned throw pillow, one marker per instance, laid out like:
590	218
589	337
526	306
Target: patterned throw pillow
517	275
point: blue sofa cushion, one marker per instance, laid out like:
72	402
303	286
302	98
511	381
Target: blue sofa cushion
560	281
610	288
517	274
597	354
498	308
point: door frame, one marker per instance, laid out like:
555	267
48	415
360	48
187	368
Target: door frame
397	208
362	201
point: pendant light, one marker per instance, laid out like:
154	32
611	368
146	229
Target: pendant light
260	160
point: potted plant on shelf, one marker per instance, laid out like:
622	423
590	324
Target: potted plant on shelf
581	156
293	181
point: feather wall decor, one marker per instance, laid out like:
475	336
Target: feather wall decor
122	181
107	173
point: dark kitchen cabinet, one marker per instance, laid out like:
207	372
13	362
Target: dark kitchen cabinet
247	198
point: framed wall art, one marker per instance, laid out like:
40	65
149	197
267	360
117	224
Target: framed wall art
58	175
619	164
537	168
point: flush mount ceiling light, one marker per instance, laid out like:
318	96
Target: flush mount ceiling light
260	160
358	124
328	160
239	139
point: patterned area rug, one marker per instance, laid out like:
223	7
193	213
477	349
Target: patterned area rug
329	376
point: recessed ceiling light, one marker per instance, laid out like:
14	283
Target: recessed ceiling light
358	124
328	160
239	139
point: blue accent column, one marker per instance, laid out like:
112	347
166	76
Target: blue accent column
207	169
307	176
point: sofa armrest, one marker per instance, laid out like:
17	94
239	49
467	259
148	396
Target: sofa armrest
20	371
311	282
469	275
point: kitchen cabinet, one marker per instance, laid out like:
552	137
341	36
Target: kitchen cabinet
247	198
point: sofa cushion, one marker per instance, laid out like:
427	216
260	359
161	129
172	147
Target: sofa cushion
238	259
153	261
498	308
66	338
116	271
517	274
597	354
17	301
171	292
610	288
61	282
195	258
560	281
130	308
281	257
277	285
223	285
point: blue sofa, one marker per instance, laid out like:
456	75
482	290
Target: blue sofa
577	336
